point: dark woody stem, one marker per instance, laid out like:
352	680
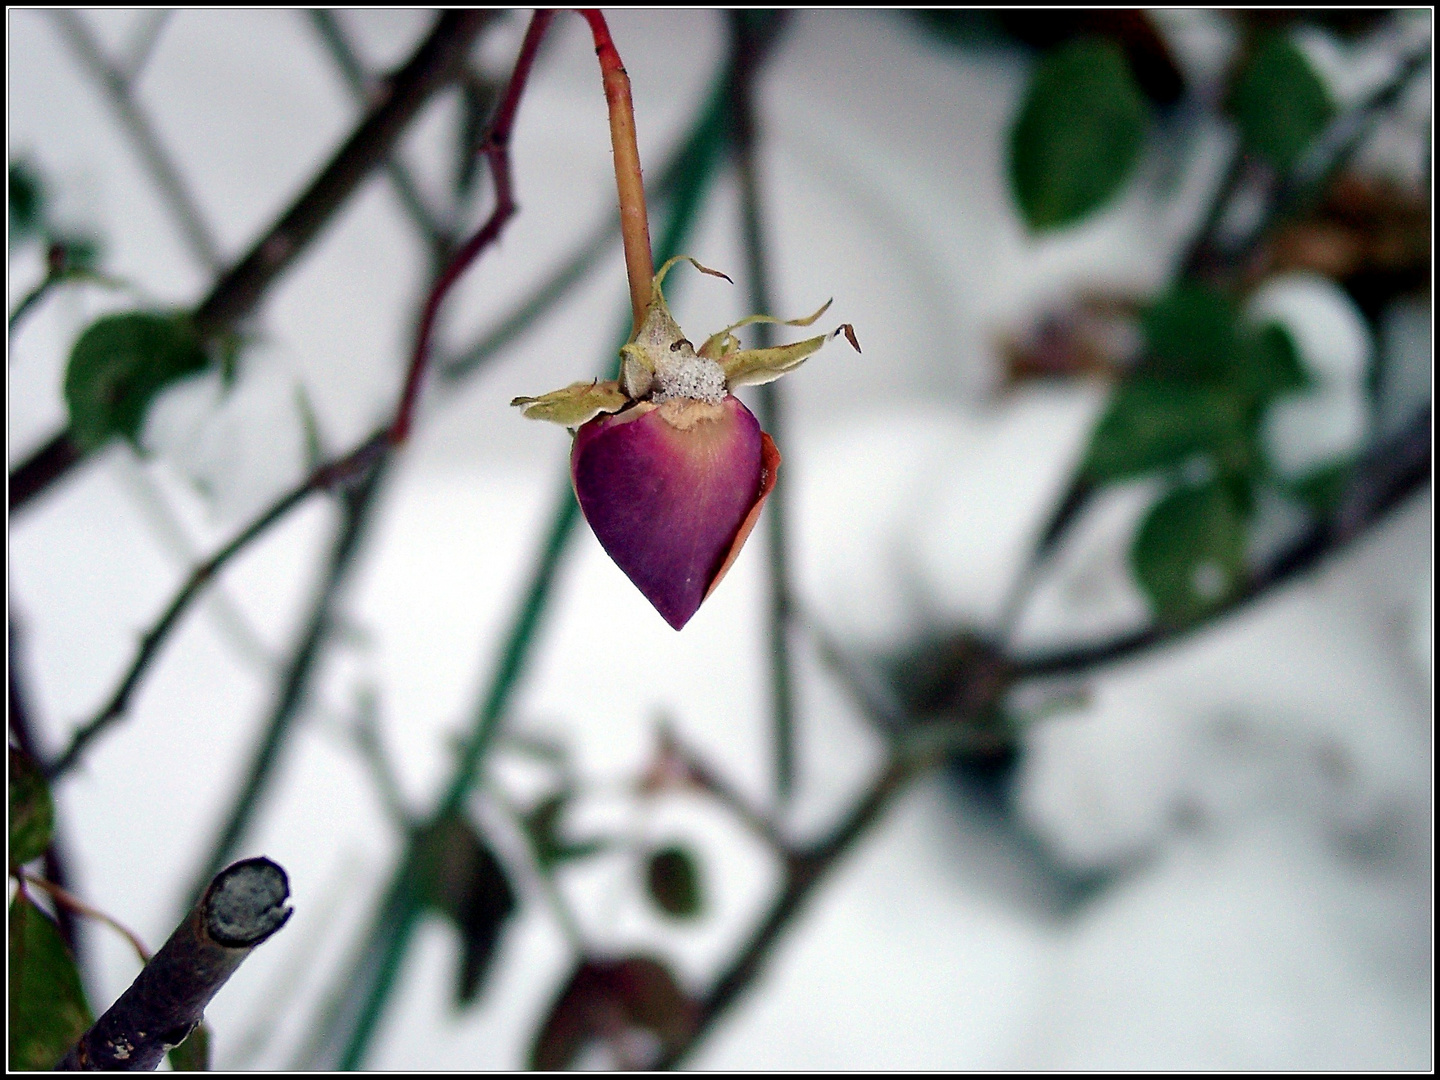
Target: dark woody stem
243	906
634	222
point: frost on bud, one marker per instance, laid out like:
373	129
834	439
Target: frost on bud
670	469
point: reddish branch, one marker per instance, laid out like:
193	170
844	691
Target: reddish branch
634	221
356	464
497	153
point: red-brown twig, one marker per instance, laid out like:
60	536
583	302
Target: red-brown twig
634	221
70	902
497	153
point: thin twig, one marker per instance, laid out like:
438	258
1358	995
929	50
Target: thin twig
674	177
143	39
542	878
750	41
497	153
436	62
1383	479
691	770
73	903
342	470
295	681
116	86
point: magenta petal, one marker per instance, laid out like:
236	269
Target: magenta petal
666	489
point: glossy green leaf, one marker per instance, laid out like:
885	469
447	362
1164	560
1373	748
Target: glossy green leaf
1280	104
32	815
118	366
192	1055
27	203
1188	555
1157	423
462	879
673	879
48	1011
1078	134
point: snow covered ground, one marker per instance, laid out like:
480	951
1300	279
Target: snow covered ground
1255	802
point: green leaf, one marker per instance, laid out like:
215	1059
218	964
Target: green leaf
462	879
27	203
32	815
673	879
1270	364
1188	555
1280	104
1190	334
1156	423
48	1011
193	1055
1078	134
118	366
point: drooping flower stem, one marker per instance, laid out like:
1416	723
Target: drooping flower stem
634	222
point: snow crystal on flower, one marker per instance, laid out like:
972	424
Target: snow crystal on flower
690	377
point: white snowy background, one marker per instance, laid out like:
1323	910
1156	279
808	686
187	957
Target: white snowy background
1256	801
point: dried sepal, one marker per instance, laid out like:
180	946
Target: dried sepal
718	346
753	367
575	404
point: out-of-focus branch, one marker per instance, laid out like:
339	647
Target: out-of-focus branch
753	33
344	470
67	901
22	730
437	61
1384	478
357	501
337	43
116	86
244	905
497	153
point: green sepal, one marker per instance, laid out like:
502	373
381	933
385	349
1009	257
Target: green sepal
575	404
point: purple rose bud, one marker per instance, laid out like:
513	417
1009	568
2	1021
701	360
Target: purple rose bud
671	491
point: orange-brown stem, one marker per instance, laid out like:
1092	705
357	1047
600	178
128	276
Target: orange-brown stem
634	221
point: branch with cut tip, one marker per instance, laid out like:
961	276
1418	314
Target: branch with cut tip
244	905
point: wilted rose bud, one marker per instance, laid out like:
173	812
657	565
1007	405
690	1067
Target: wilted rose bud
670	469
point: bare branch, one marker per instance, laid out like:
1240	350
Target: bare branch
115	84
244	905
